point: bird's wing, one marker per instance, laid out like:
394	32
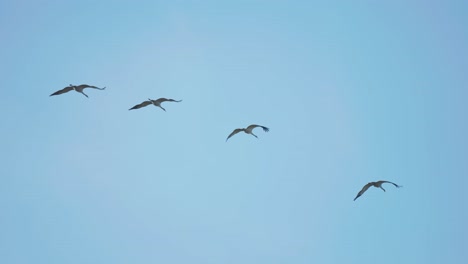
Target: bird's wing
64	90
363	190
251	127
160	100
237	130
396	185
145	103
90	86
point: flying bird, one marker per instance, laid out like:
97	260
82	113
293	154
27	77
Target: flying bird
155	103
247	130
377	184
78	88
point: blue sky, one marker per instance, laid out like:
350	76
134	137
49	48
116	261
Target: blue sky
352	91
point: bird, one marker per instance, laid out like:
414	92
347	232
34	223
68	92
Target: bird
78	88
377	184
247	130
155	103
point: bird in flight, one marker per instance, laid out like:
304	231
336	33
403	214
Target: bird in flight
78	88
155	103
247	130
377	184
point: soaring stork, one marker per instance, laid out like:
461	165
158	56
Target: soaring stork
247	130
377	184
155	103
78	88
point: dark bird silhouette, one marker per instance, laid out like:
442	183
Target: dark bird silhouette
377	184
247	130
155	103
77	88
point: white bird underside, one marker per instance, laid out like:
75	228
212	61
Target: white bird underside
377	184
154	102
77	88
247	130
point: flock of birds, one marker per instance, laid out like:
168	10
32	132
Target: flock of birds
247	130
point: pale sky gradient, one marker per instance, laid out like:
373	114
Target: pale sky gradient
352	91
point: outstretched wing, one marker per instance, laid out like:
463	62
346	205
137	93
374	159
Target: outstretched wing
363	190
251	127
237	130
160	100
145	103
89	86
396	185
64	90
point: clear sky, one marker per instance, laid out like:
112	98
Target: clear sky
352	91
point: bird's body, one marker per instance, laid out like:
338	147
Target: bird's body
247	130
155	103
377	184
77	88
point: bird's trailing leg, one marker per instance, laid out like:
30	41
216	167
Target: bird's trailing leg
84	94
382	188
253	135
162	108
